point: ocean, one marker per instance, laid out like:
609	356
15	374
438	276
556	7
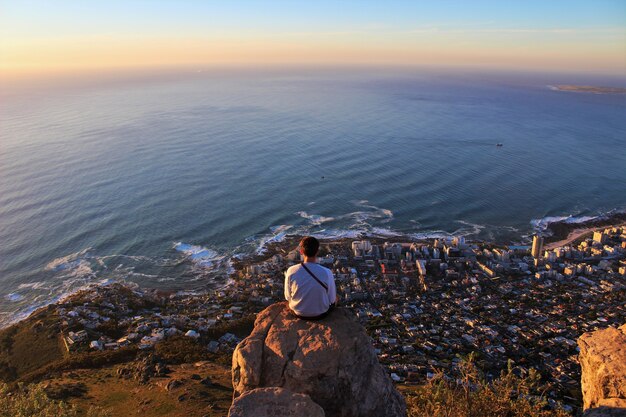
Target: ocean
162	178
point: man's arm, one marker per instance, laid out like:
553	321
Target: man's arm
332	289
287	290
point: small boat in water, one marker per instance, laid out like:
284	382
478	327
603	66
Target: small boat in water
499	144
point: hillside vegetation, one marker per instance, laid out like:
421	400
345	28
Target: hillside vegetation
472	396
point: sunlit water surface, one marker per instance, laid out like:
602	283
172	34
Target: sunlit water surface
162	179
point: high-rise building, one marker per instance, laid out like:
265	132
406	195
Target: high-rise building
360	248
599	237
537	246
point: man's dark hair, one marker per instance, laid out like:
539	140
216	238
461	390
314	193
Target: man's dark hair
309	246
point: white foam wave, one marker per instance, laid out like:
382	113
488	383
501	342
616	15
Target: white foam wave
195	251
471	229
363	216
32	285
338	234
380	231
108	281
66	289
278	234
384	232
72	265
199	255
141	274
315	219
468	230
281	228
131	257
24	313
14	297
541	225
357	225
581	219
431	234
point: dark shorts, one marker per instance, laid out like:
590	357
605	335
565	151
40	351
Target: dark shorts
321	316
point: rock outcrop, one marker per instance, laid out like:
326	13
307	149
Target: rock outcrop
331	360
274	402
603	361
144	369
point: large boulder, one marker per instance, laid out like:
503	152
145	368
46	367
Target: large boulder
603	361
274	402
330	360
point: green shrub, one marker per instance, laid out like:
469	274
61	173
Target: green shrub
32	401
472	396
180	349
7	372
6	339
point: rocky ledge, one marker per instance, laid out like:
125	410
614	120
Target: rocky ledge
603	361
331	361
274	402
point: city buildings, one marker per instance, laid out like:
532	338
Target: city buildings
425	304
537	246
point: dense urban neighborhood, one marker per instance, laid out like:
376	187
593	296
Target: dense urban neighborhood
425	304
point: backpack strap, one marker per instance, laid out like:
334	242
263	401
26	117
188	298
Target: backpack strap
313	275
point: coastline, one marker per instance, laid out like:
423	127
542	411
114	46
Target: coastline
563	232
557	233
403	291
578	234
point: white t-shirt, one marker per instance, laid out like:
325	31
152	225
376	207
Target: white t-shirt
305	295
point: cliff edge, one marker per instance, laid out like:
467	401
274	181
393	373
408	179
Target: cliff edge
331	361
603	361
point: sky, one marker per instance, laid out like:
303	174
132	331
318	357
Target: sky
49	36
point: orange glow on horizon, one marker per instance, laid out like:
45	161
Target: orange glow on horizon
41	56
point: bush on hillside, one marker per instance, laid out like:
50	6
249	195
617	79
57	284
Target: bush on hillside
32	401
472	396
180	349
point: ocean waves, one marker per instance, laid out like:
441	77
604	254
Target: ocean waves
315	219
541	225
199	255
170	192
369	221
76	264
193	266
187	266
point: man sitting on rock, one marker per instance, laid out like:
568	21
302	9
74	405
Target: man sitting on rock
309	287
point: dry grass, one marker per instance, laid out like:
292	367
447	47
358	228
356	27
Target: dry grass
472	396
180	349
101	392
32	401
30	345
130	398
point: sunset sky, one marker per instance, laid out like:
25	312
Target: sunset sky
61	35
